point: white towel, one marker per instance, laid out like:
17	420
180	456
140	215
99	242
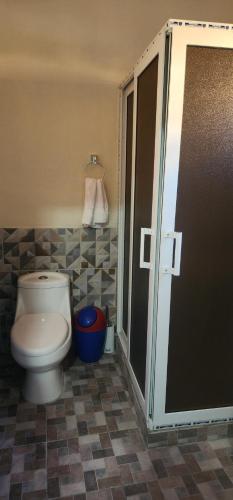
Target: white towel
100	215
89	201
95	213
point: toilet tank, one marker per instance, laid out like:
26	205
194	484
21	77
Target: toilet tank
44	292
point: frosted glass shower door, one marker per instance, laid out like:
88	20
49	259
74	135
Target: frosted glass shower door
148	83
194	380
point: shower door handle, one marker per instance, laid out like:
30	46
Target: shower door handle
175	270
145	231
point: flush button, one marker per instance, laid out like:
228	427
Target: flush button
43	277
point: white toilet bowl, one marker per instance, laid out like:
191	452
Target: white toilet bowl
40	339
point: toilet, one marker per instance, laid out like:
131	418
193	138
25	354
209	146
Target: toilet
41	334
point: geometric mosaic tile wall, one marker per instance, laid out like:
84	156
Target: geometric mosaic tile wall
89	256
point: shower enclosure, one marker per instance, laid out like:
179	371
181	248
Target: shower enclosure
175	280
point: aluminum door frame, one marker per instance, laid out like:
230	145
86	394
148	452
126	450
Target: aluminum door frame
181	38
125	91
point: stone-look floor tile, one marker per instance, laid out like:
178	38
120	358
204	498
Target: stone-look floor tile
204	477
53	472
81	496
144	460
190	485
224	456
109	482
87	446
226	442
135	489
7	435
102	453
210	489
5	461
90	465
155	490
159	468
73	488
210	464
144	475
225	495
53	488
90	480
28	457
198	496
85	453
118	493
62	443
193	466
126	474
5	484
15	491
178	470
223	479
35	495
35	431
37	483
130	442
127	459
105	440
104	494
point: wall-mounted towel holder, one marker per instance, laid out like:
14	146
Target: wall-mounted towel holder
94	162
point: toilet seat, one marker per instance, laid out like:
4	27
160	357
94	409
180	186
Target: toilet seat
39	334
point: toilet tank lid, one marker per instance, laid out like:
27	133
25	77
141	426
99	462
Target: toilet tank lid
43	279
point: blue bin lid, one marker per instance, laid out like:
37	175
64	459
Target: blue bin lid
87	316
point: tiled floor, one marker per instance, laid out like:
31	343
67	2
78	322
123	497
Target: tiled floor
87	446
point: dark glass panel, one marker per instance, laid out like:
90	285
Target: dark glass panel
144	169
201	325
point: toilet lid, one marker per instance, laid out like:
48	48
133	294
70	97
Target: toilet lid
38	334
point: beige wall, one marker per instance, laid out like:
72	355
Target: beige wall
47	130
61	62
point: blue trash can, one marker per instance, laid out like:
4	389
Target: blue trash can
90	334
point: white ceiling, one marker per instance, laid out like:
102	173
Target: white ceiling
88	40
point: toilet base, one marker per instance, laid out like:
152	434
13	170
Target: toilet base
43	387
